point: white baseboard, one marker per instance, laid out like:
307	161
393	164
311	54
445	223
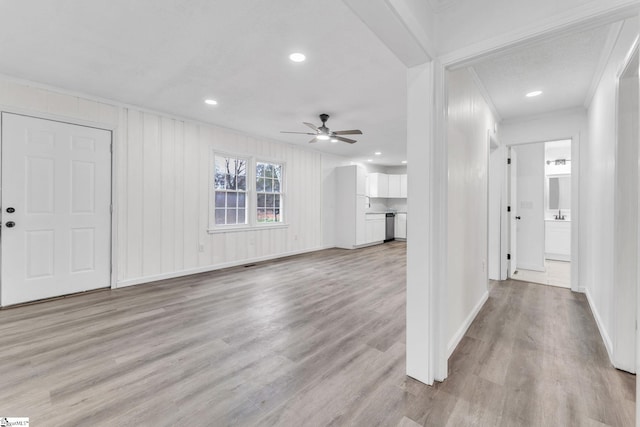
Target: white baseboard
532	267
603	332
181	273
457	337
557	257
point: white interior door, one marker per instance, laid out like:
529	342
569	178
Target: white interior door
513	202
56	209
529	205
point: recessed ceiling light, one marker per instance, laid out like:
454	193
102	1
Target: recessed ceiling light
404	162
377	153
323	137
297	57
534	93
211	102
369	160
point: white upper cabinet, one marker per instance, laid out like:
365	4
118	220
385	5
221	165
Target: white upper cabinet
378	185
387	186
394	186
403	186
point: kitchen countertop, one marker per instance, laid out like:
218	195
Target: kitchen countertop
383	213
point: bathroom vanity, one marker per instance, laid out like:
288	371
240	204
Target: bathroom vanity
557	239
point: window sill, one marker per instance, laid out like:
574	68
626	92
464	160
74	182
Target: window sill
235	229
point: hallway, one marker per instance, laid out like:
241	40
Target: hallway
534	357
313	340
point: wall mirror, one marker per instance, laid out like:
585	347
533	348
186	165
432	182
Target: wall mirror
559	192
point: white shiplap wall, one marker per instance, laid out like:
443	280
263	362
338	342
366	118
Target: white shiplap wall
161	177
469	121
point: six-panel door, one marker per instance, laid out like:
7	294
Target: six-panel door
56	214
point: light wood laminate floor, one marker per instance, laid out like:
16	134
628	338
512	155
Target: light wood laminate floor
311	340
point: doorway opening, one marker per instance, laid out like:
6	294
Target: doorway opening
541	213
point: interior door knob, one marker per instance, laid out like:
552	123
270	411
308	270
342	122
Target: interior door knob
10	224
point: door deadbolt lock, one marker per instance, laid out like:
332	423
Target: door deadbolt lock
10	210
10	224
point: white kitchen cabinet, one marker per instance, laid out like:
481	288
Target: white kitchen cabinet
375	228
394	186
557	241
351	204
403	186
401	226
378	185
361	181
387	186
361	229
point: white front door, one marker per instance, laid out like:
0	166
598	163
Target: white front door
56	209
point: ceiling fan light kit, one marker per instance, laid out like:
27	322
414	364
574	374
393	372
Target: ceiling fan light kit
323	133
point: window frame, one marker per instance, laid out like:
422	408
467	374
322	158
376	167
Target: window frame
251	194
281	193
213	191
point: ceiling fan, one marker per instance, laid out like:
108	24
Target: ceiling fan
323	133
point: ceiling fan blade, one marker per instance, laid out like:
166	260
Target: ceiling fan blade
350	141
311	125
313	140
348	132
302	133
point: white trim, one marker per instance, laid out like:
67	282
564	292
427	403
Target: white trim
37	114
605	55
533	267
628	58
603	331
113	130
485	94
557	257
457	337
439	225
175	274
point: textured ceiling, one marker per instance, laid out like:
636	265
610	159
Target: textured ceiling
169	55
563	68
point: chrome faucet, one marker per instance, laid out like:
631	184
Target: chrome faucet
559	216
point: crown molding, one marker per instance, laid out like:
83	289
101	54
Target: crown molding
485	94
575	19
605	55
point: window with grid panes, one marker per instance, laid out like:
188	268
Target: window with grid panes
230	186
269	192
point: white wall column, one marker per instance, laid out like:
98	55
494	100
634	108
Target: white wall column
638	277
427	241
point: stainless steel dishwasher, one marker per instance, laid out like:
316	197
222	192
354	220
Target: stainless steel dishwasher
390	227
